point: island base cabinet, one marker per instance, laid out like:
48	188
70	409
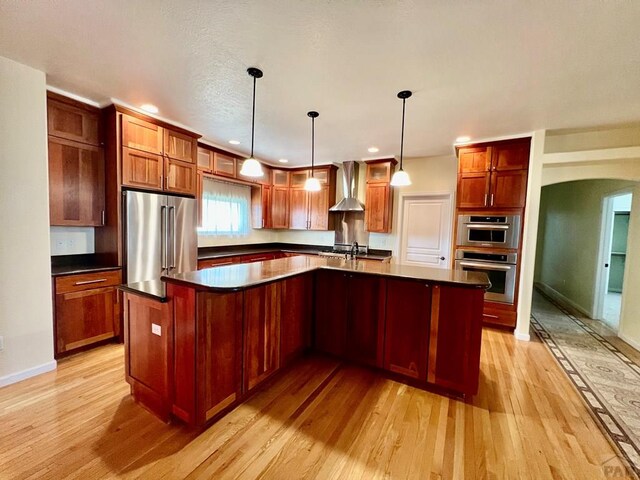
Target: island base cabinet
262	309
408	309
149	352
330	329
455	338
295	328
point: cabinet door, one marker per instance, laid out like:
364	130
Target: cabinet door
455	337
76	183
319	209
331	298
205	160
224	165
199	195
365	327
180	177
280	178
280	207
85	317
377	211
298	209
510	155
262	333
473	160
407	328
473	190
179	146
508	189
73	123
298	178
261	207
295	330
140	169
141	135
265	173
379	172
219	351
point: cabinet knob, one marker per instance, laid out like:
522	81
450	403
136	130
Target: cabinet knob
442	258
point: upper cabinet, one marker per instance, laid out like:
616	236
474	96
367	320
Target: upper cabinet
76	163
158	158
73	121
310	210
493	175
379	196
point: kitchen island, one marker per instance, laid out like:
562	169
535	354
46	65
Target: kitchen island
214	336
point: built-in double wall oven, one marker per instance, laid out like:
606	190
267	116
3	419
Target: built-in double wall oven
499	267
495	240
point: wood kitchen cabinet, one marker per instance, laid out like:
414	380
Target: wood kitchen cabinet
280	207
408	310
295	330
378	214
310	210
76	183
261	216
224	165
72	120
87	309
205	160
351	324
158	158
262	310
299	209
455	338
493	175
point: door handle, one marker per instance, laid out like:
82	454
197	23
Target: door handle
172	235
492	199
486	197
442	258
163	237
606	265
88	282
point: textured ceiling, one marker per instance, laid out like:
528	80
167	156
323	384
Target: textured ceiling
477	68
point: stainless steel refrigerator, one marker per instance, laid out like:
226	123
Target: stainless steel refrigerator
160	235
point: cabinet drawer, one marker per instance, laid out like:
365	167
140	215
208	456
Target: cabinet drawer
86	281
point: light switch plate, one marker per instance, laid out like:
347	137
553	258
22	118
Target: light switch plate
156	329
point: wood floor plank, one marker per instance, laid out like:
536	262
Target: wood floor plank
320	419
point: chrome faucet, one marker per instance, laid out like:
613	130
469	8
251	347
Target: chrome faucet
354	250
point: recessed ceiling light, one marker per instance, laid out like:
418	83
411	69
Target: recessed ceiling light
234	142
283	160
463	139
147	107
373	149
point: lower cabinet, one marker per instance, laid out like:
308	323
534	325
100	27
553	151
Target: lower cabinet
349	320
262	310
408	311
87	309
296	310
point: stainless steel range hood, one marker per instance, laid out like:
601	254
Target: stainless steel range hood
349	184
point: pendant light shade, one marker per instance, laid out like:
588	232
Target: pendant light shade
312	184
251	167
401	178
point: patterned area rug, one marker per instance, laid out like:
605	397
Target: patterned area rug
605	377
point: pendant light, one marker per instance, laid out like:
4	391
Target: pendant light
401	178
251	167
312	184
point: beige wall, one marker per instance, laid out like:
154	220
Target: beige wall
25	265
569	238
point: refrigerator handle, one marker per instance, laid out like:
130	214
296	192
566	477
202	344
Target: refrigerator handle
163	237
172	235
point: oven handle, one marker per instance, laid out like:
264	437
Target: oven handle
486	266
487	226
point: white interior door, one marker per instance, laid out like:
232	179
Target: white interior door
426	230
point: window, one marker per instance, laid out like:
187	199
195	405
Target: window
225	208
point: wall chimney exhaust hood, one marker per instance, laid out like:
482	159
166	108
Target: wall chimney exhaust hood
349	185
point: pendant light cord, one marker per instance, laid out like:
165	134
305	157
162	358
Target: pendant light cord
313	142
402	134
253	116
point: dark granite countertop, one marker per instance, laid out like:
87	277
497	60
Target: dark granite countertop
205	253
239	277
154	289
74	264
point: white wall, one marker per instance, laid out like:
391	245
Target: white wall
72	240
25	265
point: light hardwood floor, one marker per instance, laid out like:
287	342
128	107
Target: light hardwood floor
321	419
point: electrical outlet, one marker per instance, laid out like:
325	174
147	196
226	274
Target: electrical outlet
71	243
1	343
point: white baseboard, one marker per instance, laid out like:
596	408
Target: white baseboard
525	337
634	343
28	373
556	295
